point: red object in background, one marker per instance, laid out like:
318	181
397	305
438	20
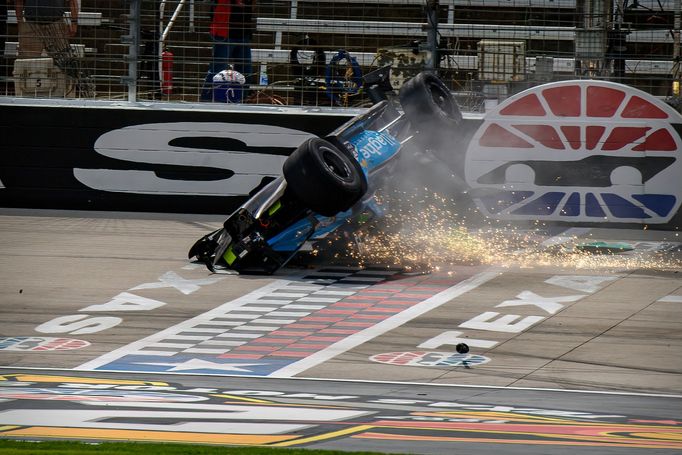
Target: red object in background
166	72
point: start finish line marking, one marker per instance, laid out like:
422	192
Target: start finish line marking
386	325
287	327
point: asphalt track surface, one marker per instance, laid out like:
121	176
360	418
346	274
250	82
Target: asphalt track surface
102	315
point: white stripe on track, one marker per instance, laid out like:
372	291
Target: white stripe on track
384	326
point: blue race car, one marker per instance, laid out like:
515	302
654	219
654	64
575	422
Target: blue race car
327	182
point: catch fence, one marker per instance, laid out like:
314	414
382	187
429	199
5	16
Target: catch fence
321	52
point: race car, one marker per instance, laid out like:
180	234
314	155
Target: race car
328	182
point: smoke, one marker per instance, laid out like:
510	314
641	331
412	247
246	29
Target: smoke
429	214
430	222
425	232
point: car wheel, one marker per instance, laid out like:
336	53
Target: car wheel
429	105
324	178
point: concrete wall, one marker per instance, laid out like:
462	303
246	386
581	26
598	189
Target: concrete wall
202	158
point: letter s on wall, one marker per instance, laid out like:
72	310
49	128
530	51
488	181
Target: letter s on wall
150	143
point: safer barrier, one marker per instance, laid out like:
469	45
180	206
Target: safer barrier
204	159
103	156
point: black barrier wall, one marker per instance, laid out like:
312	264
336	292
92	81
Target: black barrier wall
146	159
184	158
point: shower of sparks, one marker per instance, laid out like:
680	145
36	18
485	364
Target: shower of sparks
424	232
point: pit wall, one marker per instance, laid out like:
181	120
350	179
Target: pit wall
174	158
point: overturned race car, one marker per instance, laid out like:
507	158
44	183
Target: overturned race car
327	182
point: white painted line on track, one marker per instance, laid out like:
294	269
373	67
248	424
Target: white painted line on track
266	379
384	326
185	326
264	328
206	351
319	299
494	387
189	337
171	345
304	307
239	335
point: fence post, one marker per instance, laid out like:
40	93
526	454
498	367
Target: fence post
432	35
132	39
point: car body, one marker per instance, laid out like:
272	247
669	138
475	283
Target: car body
327	182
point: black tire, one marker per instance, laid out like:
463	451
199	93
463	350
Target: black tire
429	105
462	348
324	178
